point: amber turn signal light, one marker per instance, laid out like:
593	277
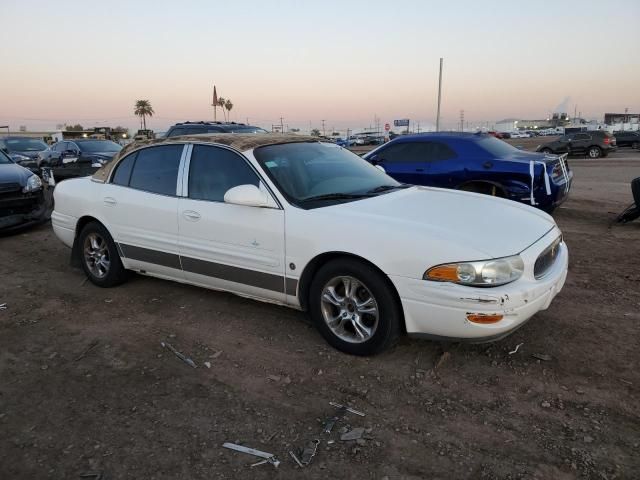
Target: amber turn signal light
484	318
443	273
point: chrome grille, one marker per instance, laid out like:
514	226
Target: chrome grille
546	259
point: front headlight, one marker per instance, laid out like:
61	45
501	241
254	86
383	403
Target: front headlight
33	183
485	273
19	158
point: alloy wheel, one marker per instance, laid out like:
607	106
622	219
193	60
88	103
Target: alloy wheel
96	255
349	309
594	152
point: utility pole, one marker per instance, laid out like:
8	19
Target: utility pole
281	125
439	97
462	120
324	133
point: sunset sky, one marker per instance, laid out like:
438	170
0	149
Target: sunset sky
342	61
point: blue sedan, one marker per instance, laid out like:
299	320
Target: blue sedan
477	163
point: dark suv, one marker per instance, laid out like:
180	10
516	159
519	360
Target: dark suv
594	144
627	139
193	128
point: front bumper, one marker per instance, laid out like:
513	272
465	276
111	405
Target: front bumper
20	210
439	310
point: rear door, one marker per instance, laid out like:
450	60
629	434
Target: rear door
407	162
140	206
229	247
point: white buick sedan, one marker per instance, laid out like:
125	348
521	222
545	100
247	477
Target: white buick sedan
310	225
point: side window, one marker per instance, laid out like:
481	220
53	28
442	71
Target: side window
213	171
440	151
406	153
72	147
174	132
123	170
582	136
156	169
60	146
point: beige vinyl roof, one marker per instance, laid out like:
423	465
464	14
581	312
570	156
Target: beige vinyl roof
237	141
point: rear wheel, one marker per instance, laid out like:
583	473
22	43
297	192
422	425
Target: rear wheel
546	150
635	145
594	152
99	256
354	307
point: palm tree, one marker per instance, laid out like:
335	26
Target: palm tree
143	109
228	104
221	102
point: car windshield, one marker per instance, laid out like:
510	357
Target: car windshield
25	145
311	174
99	146
4	159
497	147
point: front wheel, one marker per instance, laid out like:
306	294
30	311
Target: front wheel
354	307
99	257
594	152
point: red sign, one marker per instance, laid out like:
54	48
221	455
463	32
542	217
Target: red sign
387	127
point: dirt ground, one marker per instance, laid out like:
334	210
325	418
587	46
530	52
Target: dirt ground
85	385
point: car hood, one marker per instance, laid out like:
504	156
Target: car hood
33	154
12	173
490	226
99	154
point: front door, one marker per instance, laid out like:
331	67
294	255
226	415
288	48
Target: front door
406	162
229	247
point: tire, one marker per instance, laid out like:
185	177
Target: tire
366	321
635	145
484	188
546	150
99	256
594	152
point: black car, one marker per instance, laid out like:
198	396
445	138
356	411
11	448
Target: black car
627	139
23	150
593	144
77	158
24	200
193	128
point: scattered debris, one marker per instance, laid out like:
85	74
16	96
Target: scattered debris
293	455
545	404
348	409
85	280
207	364
94	475
515	350
274	378
309	451
217	354
443	358
182	357
91	346
3	306
542	356
354	434
268	457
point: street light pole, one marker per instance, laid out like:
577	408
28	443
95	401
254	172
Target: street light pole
439	97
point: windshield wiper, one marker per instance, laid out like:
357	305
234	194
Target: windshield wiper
336	196
385	188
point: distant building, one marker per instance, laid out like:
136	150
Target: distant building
613	118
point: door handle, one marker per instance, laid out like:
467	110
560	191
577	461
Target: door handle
191	215
487	164
109	201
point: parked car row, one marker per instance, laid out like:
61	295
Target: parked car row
211	212
594	144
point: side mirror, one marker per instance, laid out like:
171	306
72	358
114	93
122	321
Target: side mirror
248	195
